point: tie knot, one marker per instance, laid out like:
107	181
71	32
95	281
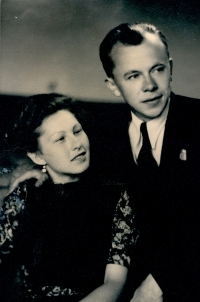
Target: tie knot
143	130
145	157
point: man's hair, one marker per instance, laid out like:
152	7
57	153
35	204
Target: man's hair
127	34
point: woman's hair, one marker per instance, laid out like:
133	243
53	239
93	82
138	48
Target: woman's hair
34	110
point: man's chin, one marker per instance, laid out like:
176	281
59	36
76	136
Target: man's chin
155	112
148	117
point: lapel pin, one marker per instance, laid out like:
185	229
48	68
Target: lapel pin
183	155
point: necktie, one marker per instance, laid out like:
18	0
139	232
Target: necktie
146	160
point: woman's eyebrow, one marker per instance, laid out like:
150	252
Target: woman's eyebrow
57	132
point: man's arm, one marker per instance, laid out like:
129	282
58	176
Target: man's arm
115	278
9	181
18	177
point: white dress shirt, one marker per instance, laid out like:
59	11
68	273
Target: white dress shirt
155	128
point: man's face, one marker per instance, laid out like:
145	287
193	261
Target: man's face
142	76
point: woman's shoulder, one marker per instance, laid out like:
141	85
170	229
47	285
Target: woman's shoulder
18	196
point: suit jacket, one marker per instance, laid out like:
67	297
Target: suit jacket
166	203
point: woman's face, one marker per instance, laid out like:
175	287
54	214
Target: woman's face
64	146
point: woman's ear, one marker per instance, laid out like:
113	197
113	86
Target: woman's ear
36	158
112	86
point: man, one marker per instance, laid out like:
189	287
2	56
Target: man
166	188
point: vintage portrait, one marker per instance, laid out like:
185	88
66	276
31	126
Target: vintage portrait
99	151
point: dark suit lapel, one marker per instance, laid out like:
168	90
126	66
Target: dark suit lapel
175	136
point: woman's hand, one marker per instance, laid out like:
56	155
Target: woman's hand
148	291
115	278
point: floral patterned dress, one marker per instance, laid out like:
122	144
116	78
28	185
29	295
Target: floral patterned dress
16	209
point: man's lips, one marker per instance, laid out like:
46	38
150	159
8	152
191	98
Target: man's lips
152	99
81	154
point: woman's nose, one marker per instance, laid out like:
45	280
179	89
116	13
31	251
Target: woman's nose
75	143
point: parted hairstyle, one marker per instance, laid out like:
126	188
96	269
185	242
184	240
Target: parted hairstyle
127	34
34	110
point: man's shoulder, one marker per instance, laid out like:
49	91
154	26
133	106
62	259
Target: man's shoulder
184	107
185	101
183	117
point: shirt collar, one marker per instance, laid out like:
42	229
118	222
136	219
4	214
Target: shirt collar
154	126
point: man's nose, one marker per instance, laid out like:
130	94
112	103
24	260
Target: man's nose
149	83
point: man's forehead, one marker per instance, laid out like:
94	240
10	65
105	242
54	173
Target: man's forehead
150	39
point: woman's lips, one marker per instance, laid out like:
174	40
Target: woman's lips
80	156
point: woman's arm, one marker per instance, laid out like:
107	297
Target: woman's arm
124	232
124	237
5	181
115	278
9	218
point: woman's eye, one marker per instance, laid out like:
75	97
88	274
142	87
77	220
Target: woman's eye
60	139
77	131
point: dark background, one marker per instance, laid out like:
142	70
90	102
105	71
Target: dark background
52	45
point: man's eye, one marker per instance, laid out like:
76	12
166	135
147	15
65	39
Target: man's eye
133	76
160	69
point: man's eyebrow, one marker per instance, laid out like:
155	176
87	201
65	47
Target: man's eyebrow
157	65
137	71
131	72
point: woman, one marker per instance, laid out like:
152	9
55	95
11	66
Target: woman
58	237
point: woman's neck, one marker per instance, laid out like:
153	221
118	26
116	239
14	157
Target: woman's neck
63	179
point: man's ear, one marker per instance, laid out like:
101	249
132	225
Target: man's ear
171	66
36	158
110	83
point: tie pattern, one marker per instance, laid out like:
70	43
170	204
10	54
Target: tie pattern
146	160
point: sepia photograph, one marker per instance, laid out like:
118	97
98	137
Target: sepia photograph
99	150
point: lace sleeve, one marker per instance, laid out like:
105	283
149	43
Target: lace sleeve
124	232
9	217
